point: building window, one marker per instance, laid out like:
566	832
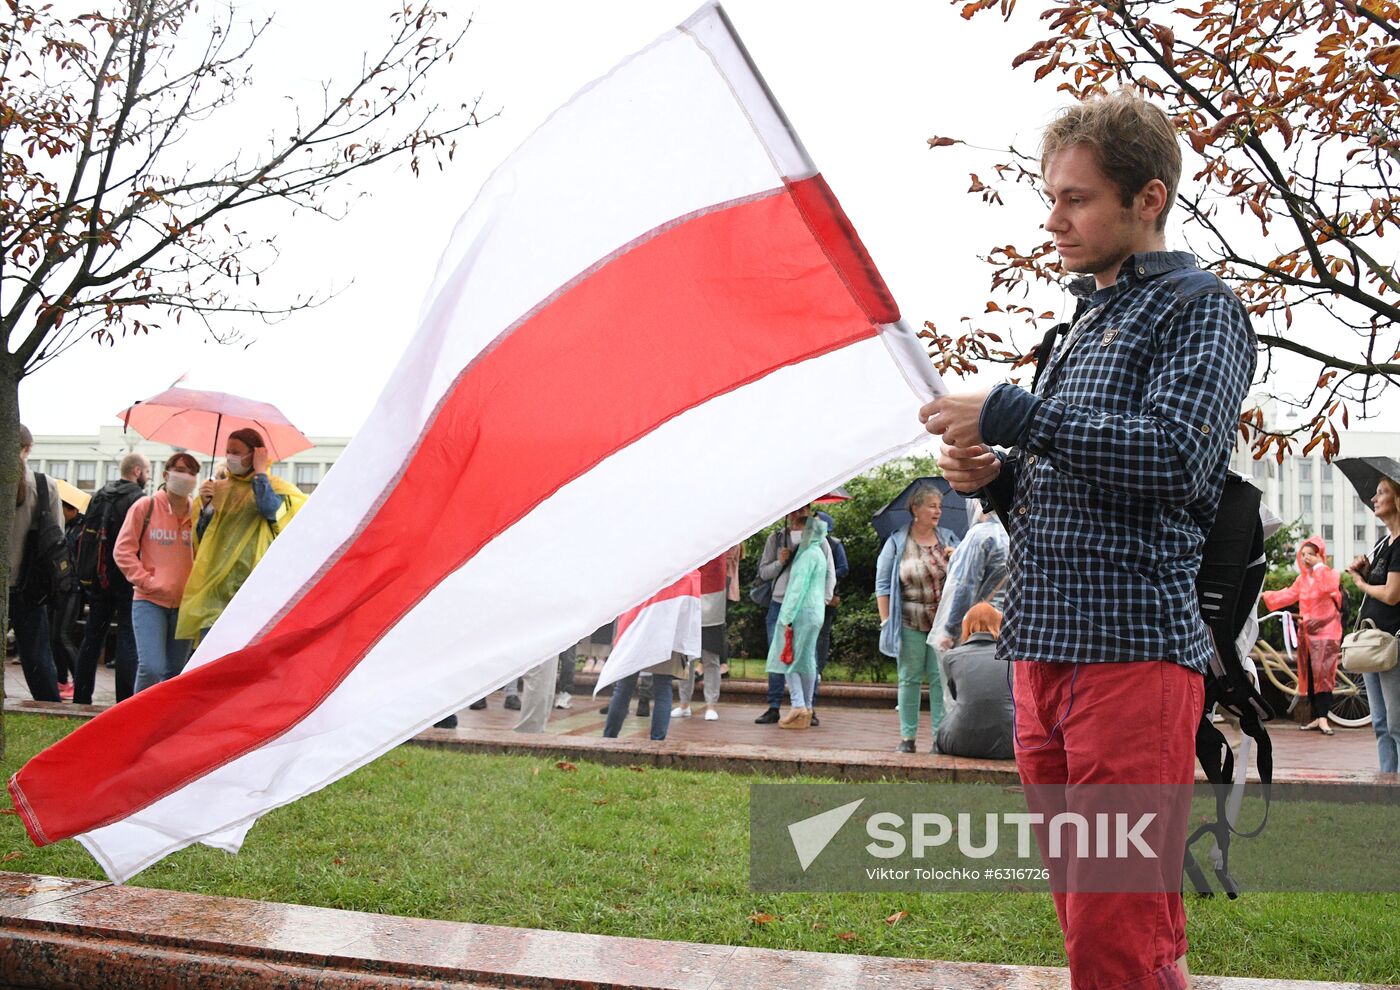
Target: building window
112	470
278	470
1261	470
1326	478
1305	503
1305	483
57	469
307	477
1359	533
86	476
1358	505
1327	533
1327	509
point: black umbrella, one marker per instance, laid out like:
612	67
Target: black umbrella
1365	473
896	513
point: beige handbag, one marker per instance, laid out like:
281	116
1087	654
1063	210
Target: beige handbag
1368	650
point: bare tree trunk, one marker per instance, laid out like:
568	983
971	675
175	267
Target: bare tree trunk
9	485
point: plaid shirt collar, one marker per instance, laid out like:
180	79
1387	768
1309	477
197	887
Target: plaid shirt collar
1136	269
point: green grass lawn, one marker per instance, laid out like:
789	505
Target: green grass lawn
657	854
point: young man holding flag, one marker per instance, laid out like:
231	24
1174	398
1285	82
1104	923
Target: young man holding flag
1110	476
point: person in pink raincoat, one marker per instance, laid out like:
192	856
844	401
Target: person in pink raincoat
1318	595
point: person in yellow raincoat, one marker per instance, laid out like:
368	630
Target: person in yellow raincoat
242	515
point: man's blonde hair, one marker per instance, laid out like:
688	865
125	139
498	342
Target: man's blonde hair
1133	140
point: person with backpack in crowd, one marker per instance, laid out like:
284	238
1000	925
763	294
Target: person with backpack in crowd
977	721
793	651
240	517
909	577
37	509
66	609
843	568
1109	474
1317	591
1378	578
106	588
773	567
154	551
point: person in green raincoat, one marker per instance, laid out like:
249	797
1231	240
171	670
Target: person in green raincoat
242	514
793	652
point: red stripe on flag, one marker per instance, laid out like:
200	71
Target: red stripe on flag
700	308
830	225
688	586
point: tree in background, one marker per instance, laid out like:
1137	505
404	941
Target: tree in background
109	227
1290	111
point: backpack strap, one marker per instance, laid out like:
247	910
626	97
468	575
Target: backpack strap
145	524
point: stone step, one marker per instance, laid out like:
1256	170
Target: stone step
57	932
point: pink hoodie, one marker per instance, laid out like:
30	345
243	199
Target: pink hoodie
157	563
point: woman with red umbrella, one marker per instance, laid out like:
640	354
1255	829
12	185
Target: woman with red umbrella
242	514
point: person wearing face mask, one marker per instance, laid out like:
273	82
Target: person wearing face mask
154	551
240	517
109	593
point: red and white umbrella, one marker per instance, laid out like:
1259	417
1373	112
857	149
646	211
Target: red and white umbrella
202	421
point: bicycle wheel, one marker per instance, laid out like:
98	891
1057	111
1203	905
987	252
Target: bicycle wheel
1276	669
1350	706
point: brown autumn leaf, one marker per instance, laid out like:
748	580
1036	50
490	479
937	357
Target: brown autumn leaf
566	766
942	142
818	926
636	768
10	856
760	918
846	936
339	861
896	918
8	811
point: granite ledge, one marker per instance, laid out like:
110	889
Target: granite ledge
128	938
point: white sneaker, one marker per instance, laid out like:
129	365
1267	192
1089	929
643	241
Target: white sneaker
711	715
564	700
679	712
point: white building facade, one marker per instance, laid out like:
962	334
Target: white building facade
89	462
1310	489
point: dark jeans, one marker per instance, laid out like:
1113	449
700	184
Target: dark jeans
568	661
63	621
31	623
622	697
823	650
102	609
777	683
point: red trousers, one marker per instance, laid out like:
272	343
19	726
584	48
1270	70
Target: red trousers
1118	723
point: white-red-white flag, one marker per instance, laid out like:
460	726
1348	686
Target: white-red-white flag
668	622
656	281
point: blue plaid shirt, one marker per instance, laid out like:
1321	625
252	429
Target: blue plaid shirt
1117	466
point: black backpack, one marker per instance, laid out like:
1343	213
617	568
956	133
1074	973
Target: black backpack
97	570
1233	567
46	570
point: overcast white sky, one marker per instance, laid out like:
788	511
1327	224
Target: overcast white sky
865	86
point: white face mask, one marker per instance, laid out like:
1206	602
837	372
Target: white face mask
179	483
237	465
